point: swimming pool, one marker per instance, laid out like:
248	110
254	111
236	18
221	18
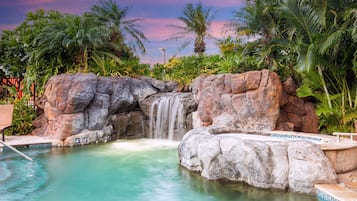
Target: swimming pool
140	170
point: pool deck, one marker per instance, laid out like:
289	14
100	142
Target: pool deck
26	141
337	192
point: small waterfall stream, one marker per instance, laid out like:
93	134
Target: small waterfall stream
167	116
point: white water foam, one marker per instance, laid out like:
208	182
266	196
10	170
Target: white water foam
143	144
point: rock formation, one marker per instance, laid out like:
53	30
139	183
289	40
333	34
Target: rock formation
252	101
295	165
248	101
113	107
84	108
296	114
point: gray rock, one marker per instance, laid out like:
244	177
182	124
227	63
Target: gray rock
122	99
129	125
161	86
71	93
87	137
259	162
105	85
310	165
141	89
98	112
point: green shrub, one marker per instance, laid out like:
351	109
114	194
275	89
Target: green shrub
23	116
185	69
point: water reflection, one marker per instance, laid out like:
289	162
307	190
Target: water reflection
224	190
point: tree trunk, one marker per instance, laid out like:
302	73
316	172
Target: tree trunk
325	87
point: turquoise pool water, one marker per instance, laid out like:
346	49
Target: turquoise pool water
142	170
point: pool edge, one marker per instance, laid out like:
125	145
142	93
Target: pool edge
335	192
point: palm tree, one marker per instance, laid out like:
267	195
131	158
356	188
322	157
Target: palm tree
261	19
76	36
123	32
197	20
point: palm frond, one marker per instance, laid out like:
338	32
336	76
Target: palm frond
331	41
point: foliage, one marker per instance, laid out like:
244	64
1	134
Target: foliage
185	69
229	45
196	20
110	67
48	43
123	32
315	39
23	114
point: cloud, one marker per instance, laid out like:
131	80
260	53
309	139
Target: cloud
158	29
7	26
25	2
220	3
219	29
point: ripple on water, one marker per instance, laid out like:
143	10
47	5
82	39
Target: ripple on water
4	172
19	178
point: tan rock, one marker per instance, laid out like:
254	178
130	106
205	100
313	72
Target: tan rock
248	101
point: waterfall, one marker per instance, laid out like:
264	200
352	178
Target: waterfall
167	116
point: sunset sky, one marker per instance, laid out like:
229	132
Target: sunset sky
157	15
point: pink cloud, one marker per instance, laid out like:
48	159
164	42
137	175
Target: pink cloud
7	26
220	3
219	29
25	2
158	29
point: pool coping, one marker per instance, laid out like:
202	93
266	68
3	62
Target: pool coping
335	192
27	141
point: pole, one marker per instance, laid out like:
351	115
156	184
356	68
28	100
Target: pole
164	53
15	150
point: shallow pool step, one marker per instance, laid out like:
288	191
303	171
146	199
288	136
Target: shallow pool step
334	192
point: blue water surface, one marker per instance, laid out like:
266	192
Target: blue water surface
141	170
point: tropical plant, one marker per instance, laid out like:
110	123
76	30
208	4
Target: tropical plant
71	34
316	38
110	67
23	114
123	32
180	69
196	20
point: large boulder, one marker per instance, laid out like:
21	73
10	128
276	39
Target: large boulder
260	161
248	101
71	93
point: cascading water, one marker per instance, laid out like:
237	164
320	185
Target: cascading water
167	116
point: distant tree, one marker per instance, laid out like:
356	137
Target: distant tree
197	20
123	32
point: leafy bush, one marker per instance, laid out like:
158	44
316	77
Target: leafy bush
111	67
185	69
337	109
23	115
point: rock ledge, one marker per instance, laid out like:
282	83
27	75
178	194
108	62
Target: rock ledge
256	160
